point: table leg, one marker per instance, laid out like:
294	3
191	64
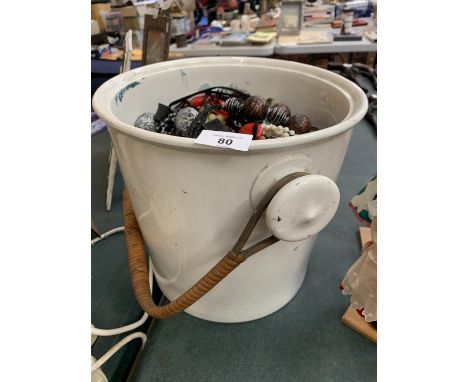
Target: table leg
94	228
111	177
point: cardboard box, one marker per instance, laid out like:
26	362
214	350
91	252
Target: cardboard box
129	11
96	10
132	17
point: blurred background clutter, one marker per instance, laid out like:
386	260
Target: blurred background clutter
310	31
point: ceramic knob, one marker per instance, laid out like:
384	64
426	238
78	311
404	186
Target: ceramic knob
302	208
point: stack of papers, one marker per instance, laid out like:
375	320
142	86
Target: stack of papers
307	38
210	39
314	37
234	39
261	37
266	25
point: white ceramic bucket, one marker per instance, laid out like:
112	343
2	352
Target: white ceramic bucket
192	201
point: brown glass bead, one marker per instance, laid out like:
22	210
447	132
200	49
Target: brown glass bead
279	114
234	105
256	108
300	123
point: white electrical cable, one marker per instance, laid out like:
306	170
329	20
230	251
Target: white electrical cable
117	347
107	234
127	328
141	321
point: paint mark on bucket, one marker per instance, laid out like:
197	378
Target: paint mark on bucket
184	76
324	97
204	86
121	93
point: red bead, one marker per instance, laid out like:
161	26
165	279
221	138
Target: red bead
197	101
216	101
249	129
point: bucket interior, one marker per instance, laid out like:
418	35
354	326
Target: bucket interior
313	94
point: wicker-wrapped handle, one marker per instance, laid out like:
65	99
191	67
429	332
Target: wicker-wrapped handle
139	268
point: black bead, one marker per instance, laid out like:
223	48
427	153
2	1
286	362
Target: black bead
162	112
184	120
223	94
234	105
279	114
300	123
256	107
198	123
216	125
146	122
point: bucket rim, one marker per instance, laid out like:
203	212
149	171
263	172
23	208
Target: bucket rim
106	93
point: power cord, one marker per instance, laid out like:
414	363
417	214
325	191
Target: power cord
112	332
127	328
107	234
117	347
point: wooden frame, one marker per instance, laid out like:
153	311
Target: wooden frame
156	38
291	18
